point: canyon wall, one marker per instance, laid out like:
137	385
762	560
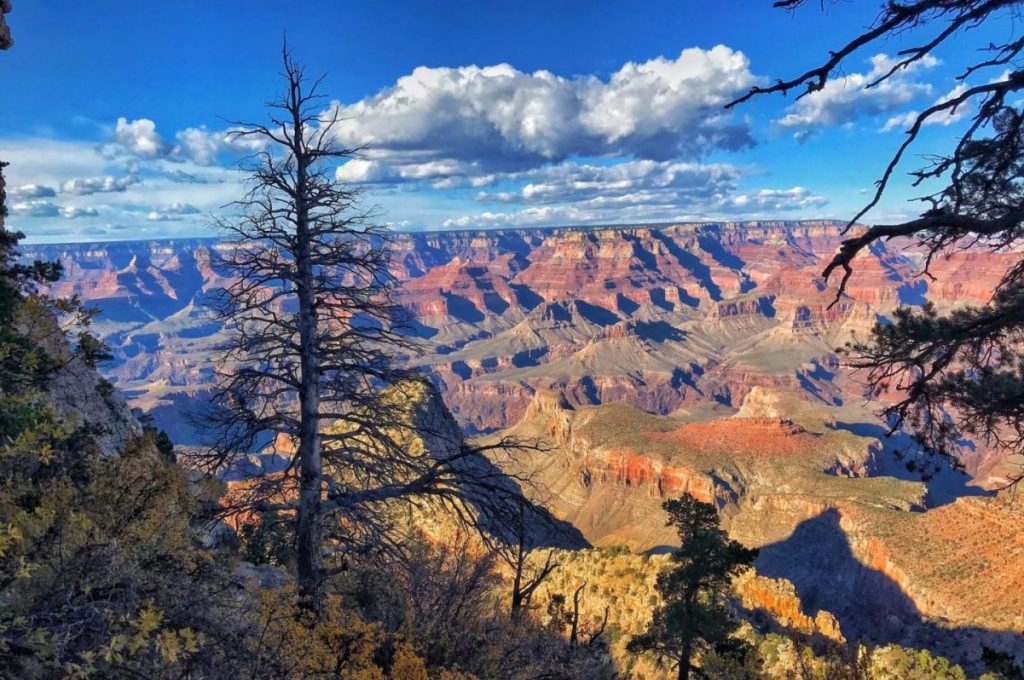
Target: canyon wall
681	318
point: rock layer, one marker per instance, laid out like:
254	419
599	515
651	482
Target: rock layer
669	317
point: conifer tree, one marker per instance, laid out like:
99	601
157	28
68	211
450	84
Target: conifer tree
694	617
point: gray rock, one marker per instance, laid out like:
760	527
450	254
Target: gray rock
218	536
262	576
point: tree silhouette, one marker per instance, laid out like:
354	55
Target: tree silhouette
315	354
959	374
6	41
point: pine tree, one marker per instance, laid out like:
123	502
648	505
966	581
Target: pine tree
695	617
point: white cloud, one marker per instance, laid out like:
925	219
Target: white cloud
83	186
905	121
44	208
648	205
200	145
470	121
140	137
73	212
844	100
180	176
36	208
172	212
647	181
95	184
203	146
670	103
28	191
772	200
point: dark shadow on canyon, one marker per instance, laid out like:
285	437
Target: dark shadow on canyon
659	331
525	296
819	560
596	315
700	271
944	486
462	308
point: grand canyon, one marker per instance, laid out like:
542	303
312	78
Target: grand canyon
678	319
601	340
653	360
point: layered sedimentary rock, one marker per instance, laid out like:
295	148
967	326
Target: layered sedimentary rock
667	318
656	361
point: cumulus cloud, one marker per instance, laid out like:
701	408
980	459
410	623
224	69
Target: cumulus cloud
30	191
199	145
140	137
172	212
83	186
203	146
847	99
36	208
640	181
472	121
772	200
44	208
905	121
91	187
73	212
647	205
441	173
181	177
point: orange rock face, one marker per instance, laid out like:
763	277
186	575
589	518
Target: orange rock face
745	436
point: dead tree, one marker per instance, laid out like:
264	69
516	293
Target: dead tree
313	363
581	633
515	553
309	306
591	633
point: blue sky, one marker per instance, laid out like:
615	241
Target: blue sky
478	114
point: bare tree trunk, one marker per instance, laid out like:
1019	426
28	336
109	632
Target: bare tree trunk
517	579
313	332
308	537
574	631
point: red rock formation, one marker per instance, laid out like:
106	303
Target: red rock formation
745	436
664	317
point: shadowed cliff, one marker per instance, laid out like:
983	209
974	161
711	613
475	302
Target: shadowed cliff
869	605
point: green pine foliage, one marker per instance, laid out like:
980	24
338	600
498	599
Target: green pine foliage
695	618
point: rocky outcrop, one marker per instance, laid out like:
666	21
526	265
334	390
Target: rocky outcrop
778	599
609	468
77	392
846	553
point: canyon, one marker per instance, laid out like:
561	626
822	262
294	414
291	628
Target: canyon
848	549
654	360
682	318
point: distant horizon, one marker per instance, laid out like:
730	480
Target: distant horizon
554	227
